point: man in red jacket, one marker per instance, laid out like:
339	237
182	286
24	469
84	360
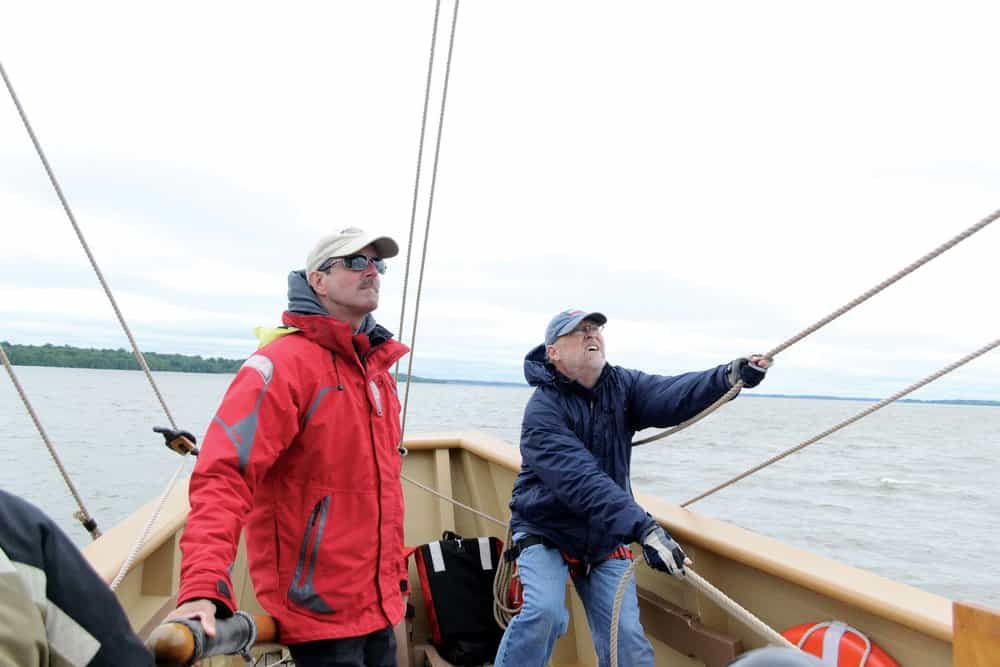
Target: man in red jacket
304	451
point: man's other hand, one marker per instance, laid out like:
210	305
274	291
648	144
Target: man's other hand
663	553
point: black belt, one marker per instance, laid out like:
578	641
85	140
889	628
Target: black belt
531	540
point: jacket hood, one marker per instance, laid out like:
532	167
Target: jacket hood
537	370
302	300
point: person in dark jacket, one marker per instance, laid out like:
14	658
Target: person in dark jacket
572	509
54	608
303	455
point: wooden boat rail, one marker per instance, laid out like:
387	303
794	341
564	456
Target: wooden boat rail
781	584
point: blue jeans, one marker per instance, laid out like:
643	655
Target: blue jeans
532	634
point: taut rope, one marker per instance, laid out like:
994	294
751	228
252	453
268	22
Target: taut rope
89	523
430	208
457	503
416	180
695	580
826	320
86	248
121	320
847	422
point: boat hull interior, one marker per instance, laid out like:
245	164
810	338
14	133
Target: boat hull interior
782	585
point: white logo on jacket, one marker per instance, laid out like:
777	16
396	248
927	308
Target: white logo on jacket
377	395
261	364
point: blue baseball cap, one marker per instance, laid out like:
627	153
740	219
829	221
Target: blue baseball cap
567	320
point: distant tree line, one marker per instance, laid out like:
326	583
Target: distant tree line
66	356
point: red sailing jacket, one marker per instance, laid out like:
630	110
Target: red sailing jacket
304	449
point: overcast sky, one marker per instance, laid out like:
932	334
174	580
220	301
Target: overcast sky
714	177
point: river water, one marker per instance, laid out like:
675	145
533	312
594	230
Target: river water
909	492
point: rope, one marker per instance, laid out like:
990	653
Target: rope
616	610
83	515
735	389
734	609
416	180
864	413
86	248
430	208
134	552
829	318
504	572
455	502
699	583
121	320
502	579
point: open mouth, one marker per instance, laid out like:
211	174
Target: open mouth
593	348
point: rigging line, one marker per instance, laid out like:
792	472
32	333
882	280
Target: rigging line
829	318
83	515
457	503
847	422
121	319
83	242
144	535
416	180
430	208
696	581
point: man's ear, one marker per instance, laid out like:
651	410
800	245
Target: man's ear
315	280
551	353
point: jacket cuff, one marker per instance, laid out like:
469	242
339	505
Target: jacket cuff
225	605
646	527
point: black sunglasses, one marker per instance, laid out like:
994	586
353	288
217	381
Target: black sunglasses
356	262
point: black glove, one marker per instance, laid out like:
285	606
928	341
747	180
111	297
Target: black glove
662	552
743	369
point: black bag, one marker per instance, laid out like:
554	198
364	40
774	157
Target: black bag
456	576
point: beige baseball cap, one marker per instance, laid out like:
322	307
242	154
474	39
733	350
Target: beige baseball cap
347	242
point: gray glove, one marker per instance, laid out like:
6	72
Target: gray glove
743	369
662	552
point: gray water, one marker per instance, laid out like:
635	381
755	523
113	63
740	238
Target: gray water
909	492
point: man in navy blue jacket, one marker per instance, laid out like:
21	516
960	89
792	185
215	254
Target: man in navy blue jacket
572	509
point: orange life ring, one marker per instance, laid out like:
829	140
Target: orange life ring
837	643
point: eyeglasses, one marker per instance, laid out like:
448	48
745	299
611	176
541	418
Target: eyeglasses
356	262
588	329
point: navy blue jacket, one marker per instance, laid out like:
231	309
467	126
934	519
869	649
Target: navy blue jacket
576	448
82	610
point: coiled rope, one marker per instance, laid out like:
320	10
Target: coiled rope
127	564
910	268
503	613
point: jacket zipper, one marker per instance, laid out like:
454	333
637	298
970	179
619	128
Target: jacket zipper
586	541
378	553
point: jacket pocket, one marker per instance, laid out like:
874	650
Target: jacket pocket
336	557
302	591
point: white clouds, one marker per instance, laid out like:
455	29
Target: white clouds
714	177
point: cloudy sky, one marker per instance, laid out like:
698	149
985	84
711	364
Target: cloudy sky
715	177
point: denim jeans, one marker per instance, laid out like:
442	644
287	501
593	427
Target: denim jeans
377	649
543	618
